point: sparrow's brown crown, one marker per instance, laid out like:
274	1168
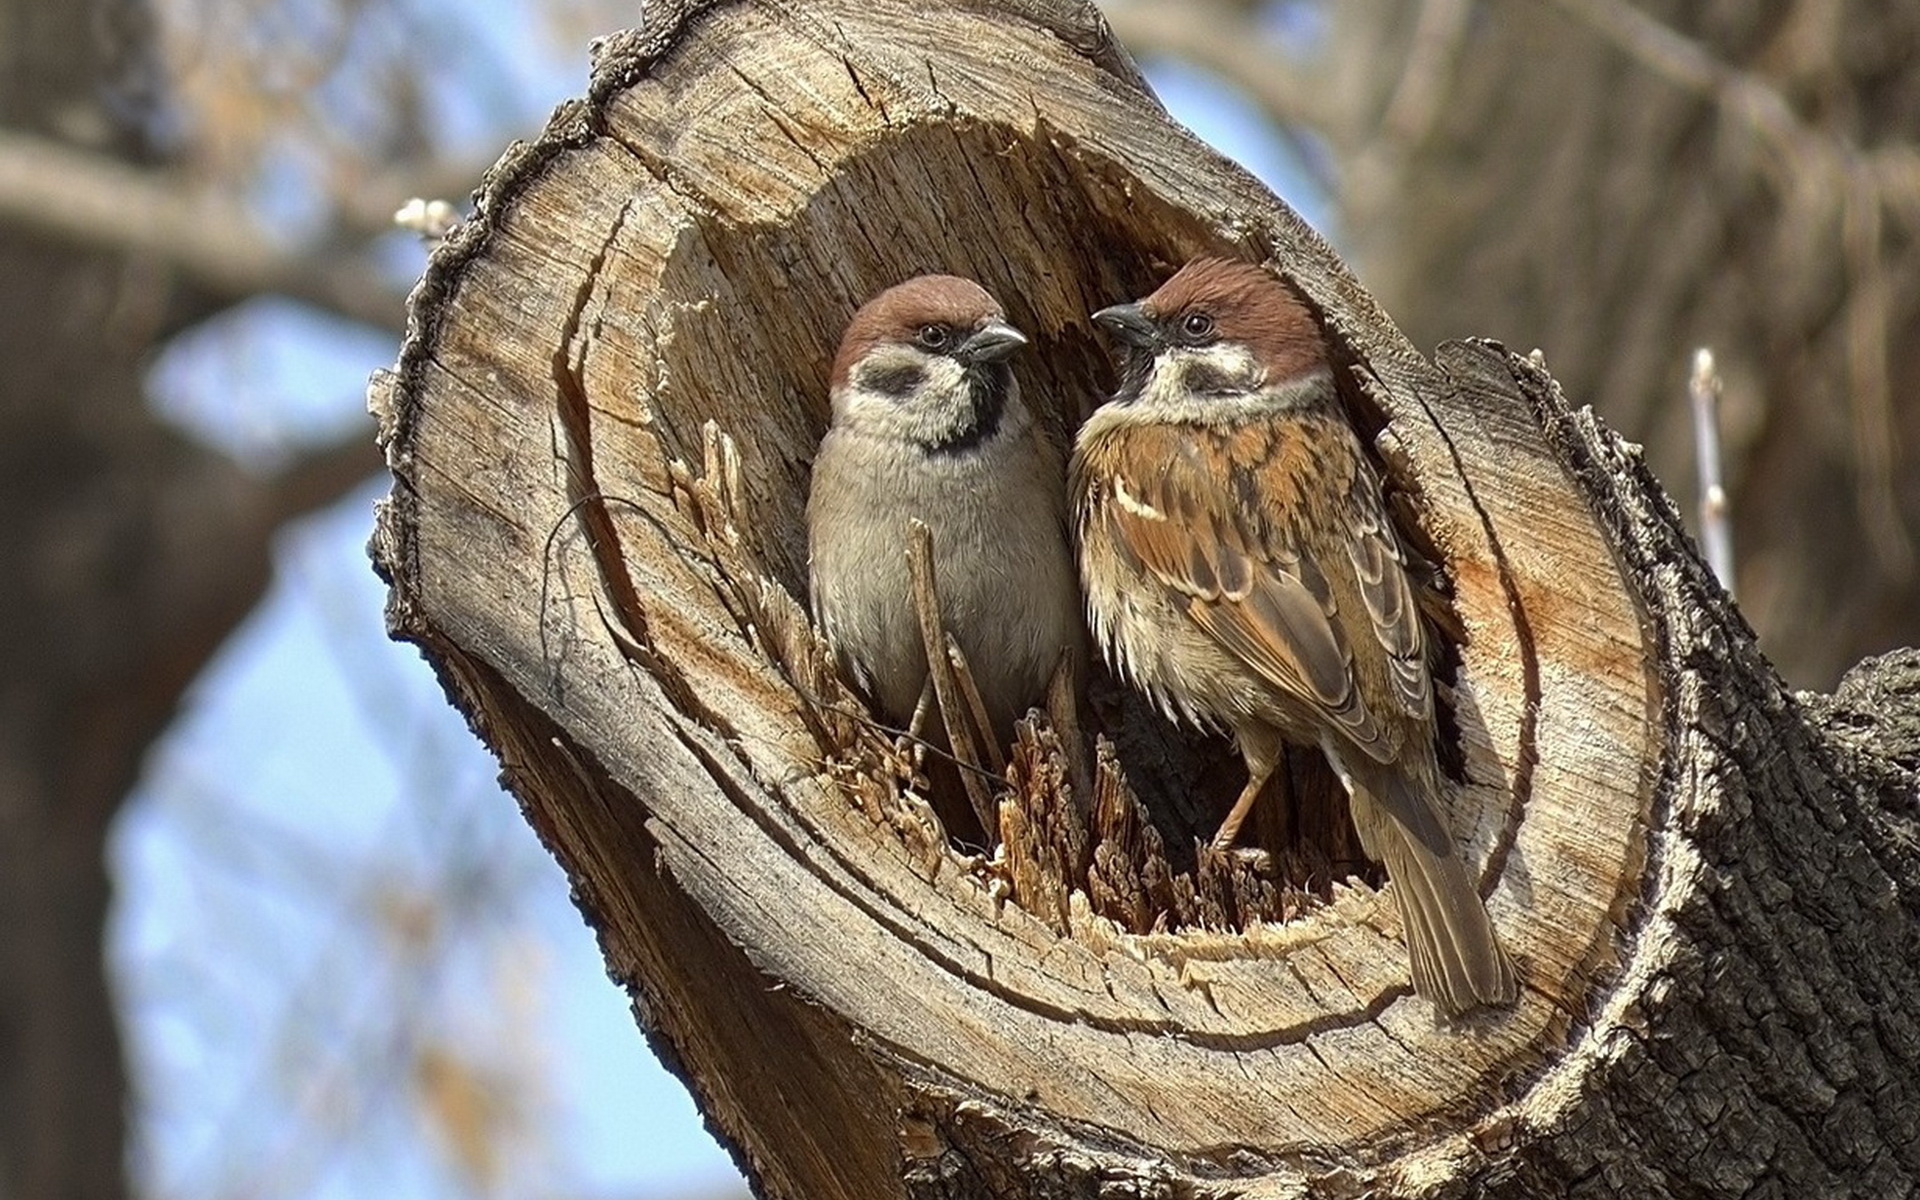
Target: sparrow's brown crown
903	310
1245	304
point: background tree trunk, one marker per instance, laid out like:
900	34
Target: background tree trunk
133	554
96	585
601	426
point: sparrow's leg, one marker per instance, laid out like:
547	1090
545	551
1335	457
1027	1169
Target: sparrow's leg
1260	747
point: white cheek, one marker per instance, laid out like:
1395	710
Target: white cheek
1237	361
1223	361
943	378
926	409
1167	392
857	409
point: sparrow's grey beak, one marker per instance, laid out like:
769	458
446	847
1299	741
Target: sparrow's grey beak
1129	323
990	343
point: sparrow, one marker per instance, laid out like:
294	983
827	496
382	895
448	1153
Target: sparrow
1240	569
928	424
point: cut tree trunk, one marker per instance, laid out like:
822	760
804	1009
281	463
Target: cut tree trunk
601	427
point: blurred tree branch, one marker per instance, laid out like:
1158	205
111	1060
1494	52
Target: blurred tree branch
136	551
146	147
1745	96
1861	182
205	231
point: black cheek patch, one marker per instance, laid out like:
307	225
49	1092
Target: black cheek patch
895	382
1208	380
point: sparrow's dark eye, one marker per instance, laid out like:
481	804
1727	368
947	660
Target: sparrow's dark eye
1197	326
933	337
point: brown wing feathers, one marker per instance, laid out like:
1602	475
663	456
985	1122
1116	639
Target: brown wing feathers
1380	568
1250	582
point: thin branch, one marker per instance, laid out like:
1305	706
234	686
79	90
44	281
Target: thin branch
995	759
94	201
1716	528
1063	710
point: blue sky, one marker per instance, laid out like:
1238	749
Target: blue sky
318	872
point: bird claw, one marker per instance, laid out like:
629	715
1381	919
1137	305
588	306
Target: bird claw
913	751
1254	859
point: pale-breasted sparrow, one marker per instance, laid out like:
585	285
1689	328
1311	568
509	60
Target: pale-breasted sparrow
928	424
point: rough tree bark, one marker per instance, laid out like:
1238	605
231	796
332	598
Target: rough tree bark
600	428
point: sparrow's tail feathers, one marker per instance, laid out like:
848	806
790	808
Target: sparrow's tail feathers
1457	960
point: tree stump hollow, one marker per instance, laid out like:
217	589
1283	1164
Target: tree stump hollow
601	428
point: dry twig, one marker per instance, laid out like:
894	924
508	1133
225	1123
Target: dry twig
946	688
1716	528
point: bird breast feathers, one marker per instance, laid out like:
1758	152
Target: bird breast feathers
1271	539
